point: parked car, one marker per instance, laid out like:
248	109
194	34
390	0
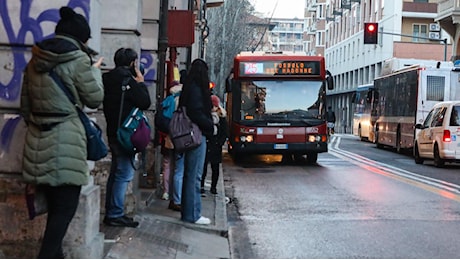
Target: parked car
438	138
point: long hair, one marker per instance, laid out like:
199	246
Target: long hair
198	75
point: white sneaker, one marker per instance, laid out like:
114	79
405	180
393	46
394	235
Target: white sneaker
165	196
203	221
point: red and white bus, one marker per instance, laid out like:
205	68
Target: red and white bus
276	104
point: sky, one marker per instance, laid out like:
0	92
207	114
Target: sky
284	8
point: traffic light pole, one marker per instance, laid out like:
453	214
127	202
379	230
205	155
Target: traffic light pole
421	37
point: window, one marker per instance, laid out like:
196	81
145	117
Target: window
435	88
454	116
419	30
438	117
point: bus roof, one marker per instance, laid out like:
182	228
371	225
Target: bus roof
269	53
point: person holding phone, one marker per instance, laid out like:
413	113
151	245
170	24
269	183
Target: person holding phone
122	170
55	142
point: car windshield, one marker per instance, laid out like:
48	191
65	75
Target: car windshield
281	100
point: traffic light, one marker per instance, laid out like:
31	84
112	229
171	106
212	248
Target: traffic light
371	33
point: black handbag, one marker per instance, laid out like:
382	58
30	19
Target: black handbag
95	146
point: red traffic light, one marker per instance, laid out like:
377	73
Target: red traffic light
371	27
371	33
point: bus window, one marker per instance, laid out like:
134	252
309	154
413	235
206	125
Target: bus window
271	100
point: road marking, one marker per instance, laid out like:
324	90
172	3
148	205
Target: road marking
440	187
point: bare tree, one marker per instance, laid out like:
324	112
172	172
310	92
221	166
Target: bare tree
230	32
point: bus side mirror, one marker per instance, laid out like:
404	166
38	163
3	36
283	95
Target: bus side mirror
229	82
353	98
329	80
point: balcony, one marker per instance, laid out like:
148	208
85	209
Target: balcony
448	15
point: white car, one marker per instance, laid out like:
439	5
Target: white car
438	138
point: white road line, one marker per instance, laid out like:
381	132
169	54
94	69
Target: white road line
363	161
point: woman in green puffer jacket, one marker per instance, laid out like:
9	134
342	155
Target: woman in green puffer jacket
55	145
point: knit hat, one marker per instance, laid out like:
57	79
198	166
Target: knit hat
215	100
73	24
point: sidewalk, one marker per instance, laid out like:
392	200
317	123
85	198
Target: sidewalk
161	233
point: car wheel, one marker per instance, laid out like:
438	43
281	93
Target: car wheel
298	158
398	141
312	158
438	162
417	158
360	134
379	145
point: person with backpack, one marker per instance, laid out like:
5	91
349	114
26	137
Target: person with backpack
168	106
195	97
125	74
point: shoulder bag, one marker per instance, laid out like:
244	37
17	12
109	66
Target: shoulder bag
95	146
134	133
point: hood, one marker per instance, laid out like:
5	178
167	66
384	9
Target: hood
176	89
49	53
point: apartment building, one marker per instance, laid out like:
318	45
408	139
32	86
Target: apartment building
408	35
287	35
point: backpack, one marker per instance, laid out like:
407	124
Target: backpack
184	134
165	113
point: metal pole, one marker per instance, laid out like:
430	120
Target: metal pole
162	47
191	7
445	49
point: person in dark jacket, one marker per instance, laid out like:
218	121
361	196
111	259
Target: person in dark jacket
125	74
214	144
55	142
330	118
196	98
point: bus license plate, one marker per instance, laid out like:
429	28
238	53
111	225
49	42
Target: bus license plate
281	146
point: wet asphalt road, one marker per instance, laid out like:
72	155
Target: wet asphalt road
357	202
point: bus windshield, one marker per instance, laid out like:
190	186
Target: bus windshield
281	101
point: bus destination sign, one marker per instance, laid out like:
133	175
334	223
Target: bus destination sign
279	68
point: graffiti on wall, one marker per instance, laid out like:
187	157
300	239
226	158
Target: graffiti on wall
16	34
147	60
20	23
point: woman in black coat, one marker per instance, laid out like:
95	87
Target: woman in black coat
215	143
196	98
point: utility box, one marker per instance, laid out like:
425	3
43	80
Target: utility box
181	28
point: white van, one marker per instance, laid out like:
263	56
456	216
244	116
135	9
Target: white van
438	136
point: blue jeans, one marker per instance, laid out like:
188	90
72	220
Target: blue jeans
178	179
191	196
121	173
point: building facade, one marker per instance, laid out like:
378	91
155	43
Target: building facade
408	35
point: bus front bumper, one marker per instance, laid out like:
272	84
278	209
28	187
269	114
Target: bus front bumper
290	148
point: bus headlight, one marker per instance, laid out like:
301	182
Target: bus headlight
314	138
247	138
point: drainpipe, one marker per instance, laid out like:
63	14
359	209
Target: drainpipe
162	47
191	7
